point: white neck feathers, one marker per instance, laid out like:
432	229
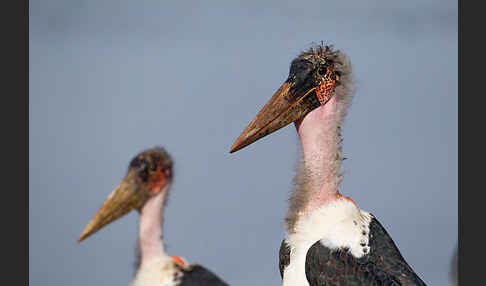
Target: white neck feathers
338	224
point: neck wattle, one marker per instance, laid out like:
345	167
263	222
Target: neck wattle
150	241
319	173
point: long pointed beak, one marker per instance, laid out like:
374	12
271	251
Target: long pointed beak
282	109
124	198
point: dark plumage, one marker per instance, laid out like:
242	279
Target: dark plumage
384	265
284	257
198	275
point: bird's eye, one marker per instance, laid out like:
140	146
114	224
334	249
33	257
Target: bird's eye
322	71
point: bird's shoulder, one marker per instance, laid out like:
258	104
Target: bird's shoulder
383	263
196	274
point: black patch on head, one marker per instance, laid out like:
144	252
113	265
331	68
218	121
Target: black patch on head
140	163
302	75
136	162
307	70
300	69
149	160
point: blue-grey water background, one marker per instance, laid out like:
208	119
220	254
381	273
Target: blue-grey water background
111	78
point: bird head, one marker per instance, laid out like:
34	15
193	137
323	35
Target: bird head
315	76
149	174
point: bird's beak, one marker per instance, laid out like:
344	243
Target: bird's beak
125	197
287	105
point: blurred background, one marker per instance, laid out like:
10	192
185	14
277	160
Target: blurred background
109	79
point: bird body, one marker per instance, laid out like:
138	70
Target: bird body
340	243
172	271
338	224
330	240
145	188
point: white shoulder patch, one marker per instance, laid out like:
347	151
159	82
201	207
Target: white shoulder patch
160	271
339	224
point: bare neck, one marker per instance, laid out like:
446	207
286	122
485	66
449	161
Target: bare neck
150	243
319	173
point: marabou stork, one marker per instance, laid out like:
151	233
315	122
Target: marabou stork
330	240
145	188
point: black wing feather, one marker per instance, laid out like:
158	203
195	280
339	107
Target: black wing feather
198	275
284	257
384	265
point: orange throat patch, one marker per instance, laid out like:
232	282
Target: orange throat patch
327	87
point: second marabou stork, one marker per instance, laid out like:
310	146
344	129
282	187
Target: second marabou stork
330	240
145	188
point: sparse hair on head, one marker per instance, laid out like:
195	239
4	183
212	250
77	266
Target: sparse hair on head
342	65
152	157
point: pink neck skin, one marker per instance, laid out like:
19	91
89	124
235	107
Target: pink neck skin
150	230
320	147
